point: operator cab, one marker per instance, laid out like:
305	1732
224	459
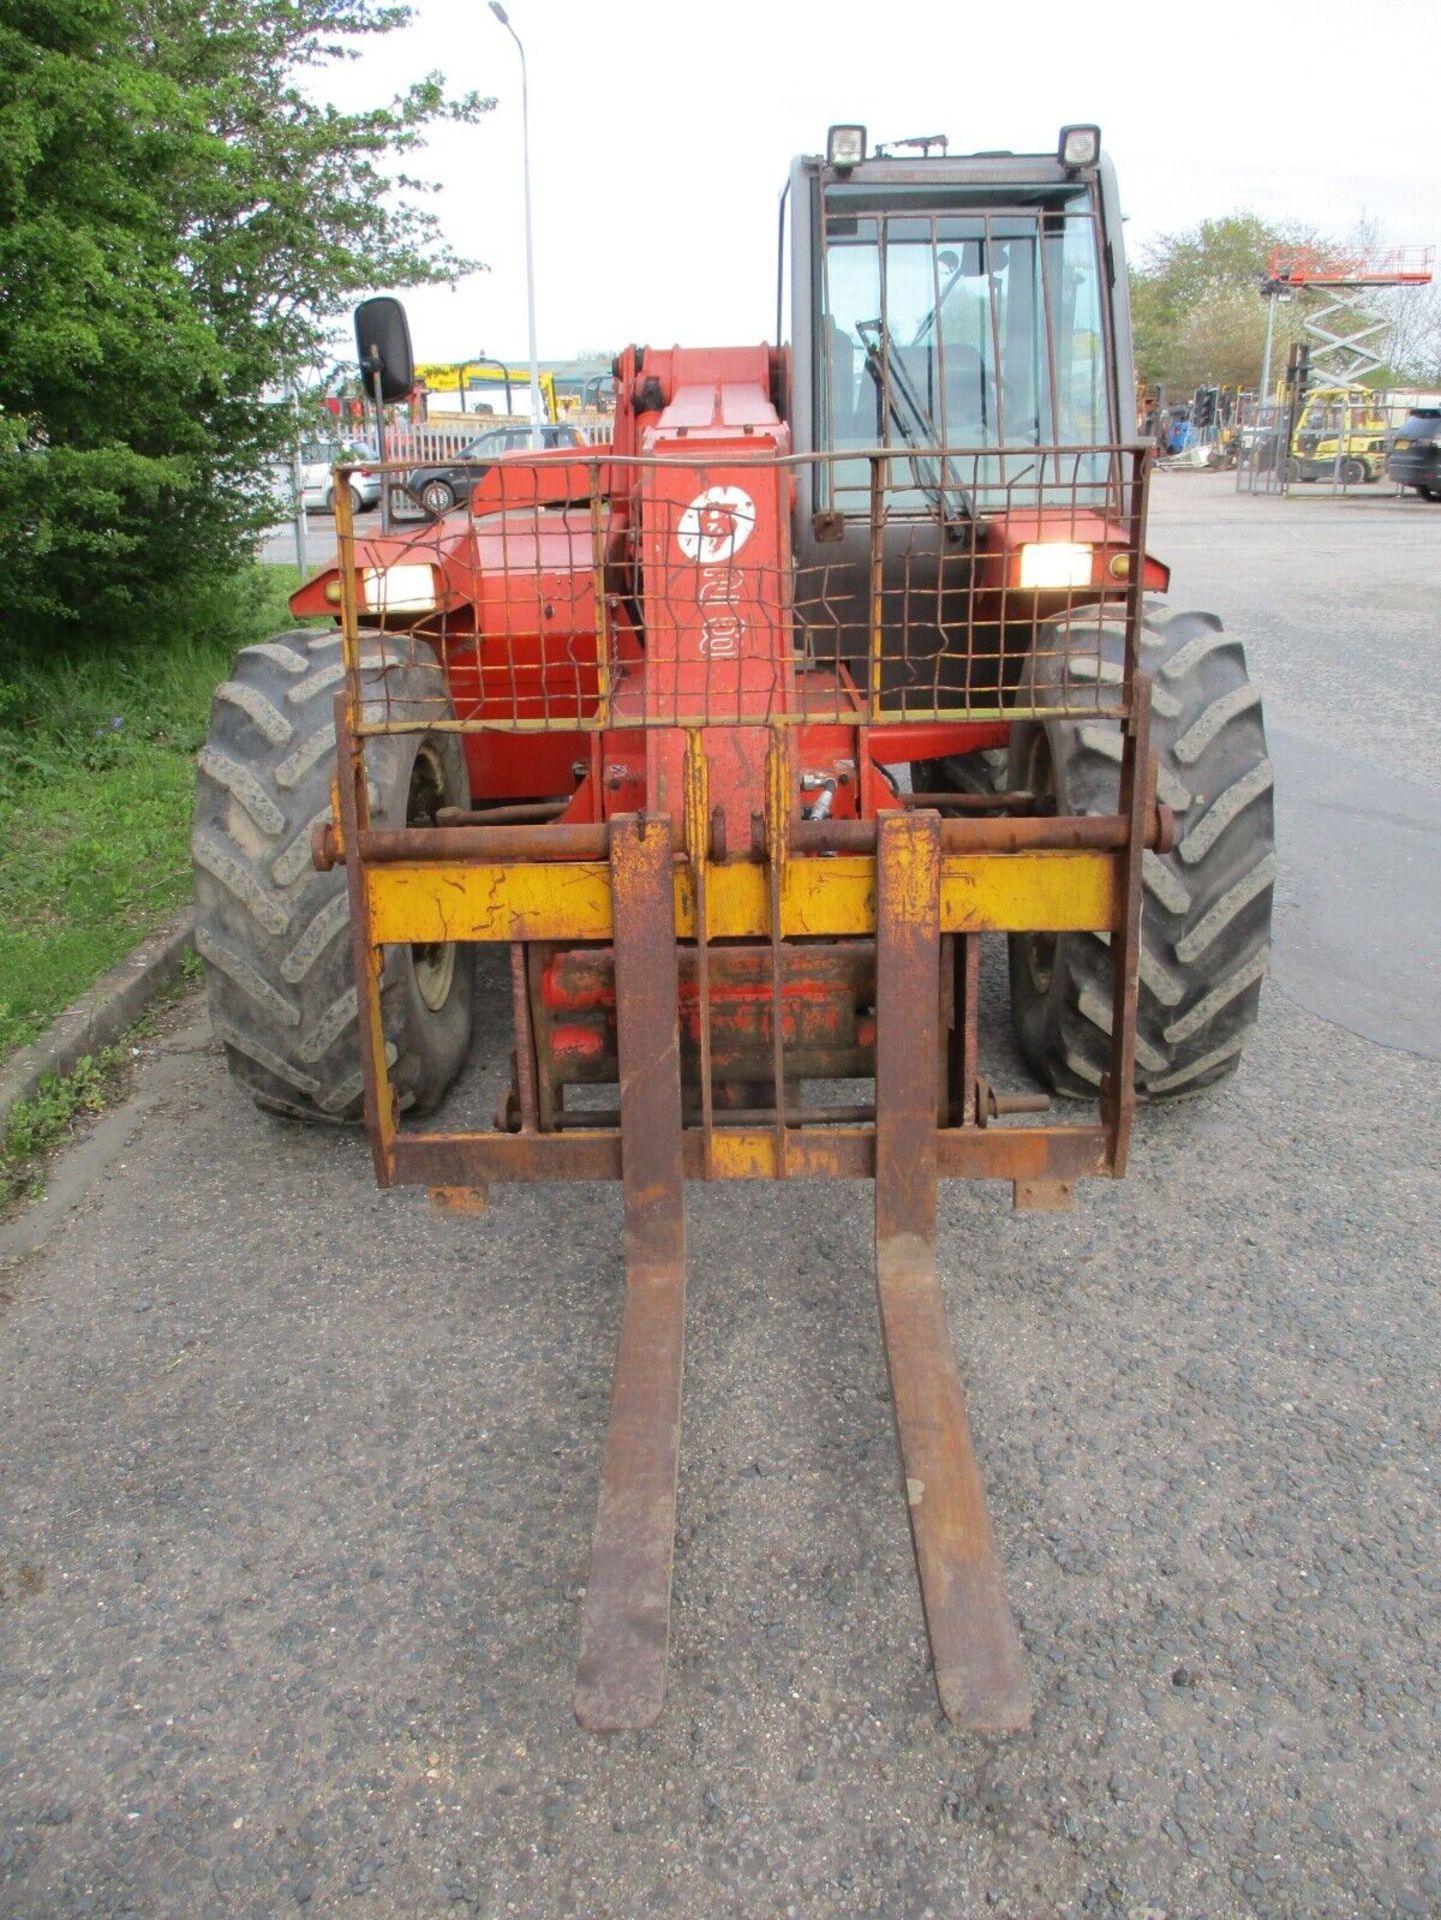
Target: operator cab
960	344
970	306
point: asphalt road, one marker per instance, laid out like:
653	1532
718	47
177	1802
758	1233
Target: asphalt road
1339	603
299	1479
278	547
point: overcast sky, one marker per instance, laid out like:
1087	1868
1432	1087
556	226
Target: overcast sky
662	130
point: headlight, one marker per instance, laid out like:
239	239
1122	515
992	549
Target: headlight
1055	563
398	589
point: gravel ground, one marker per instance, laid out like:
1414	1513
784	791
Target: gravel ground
299	1480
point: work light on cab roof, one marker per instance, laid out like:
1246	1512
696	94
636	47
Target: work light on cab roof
845	147
1079	147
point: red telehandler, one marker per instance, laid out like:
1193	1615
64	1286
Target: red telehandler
740	734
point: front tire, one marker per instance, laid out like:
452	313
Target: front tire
437	497
274	933
1206	919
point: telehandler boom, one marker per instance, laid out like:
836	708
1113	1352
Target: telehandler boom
740	734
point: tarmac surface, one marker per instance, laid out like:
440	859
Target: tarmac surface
298	1477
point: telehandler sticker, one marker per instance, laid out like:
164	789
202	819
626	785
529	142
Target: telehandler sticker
716	525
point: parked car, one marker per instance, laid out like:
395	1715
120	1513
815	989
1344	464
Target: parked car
438	487
319	457
1414	459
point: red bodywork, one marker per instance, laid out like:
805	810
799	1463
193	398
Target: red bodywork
520	615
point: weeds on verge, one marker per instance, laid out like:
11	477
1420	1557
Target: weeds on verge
45	1121
36	1126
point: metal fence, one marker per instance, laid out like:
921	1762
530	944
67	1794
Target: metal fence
1320	445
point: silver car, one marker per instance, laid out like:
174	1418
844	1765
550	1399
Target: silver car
318	481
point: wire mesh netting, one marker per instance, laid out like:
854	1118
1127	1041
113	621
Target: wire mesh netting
578	590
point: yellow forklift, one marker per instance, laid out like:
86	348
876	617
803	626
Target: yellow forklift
1341	434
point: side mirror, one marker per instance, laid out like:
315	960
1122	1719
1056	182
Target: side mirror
382	340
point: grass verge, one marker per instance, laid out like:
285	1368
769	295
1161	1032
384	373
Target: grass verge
97	777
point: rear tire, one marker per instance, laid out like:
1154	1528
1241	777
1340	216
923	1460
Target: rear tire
274	933
1206	919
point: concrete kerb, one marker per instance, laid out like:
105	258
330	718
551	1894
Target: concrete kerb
101	1015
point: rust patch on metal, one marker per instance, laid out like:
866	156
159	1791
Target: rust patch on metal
620	1679
1118	1094
460	1200
748	1153
1044	1196
976	1651
349	788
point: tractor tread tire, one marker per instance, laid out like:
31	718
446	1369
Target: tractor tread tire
1206	913
272	931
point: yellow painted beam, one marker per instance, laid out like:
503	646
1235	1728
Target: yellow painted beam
1029	892
523	900
570	900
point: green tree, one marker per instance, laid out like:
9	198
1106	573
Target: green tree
1415	344
1196	306
181	219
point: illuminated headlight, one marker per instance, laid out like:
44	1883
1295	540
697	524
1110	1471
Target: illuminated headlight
398	589
1055	563
845	147
1080	146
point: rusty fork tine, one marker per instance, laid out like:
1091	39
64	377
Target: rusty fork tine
620	1679
976	1650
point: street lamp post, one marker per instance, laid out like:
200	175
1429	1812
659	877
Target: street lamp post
536	438
1269	289
1272	292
